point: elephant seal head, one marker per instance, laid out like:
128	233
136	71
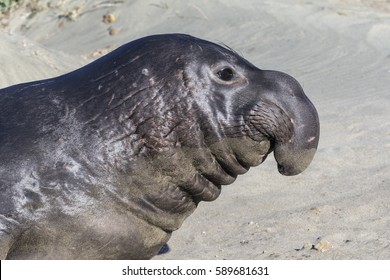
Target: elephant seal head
219	101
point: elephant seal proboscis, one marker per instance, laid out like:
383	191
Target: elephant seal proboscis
107	161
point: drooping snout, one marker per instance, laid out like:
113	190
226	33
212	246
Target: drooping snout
296	125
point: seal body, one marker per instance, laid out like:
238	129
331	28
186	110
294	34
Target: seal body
106	161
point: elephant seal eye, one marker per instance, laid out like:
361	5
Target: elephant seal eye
225	74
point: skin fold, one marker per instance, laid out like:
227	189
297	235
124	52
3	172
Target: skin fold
107	161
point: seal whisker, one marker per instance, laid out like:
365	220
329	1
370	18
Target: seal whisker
112	98
66	113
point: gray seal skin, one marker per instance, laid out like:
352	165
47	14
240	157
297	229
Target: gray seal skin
107	161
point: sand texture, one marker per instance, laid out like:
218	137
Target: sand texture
339	50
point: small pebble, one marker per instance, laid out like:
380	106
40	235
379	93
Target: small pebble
316	210
243	242
109	18
323	246
113	31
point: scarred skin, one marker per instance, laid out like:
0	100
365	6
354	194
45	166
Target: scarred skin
106	161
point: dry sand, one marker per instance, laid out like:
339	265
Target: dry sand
339	208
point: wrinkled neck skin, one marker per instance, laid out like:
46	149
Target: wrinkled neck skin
167	146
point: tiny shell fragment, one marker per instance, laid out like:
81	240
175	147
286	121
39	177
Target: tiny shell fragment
323	246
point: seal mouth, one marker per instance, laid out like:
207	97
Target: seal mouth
261	149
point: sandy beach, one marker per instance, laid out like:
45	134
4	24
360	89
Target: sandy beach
339	50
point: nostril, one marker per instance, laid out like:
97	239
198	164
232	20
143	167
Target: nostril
281	169
287	171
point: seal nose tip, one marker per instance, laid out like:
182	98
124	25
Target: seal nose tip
287	171
281	169
292	162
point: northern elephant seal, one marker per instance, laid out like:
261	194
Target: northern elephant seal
106	161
